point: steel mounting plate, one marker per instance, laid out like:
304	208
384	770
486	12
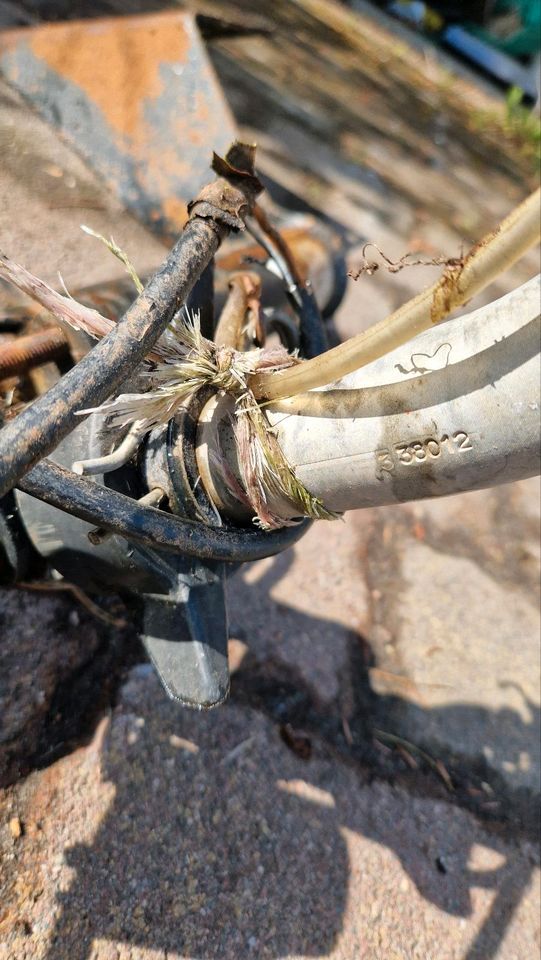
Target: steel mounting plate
136	96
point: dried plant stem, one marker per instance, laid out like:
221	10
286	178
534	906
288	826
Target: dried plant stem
119	254
267	477
436	765
494	254
64	309
65	586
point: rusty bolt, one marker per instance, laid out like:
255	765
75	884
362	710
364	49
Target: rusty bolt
23	353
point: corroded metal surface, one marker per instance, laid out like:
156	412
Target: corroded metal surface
150	527
25	352
135	96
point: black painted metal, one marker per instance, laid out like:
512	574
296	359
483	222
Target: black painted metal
185	631
15	548
114	511
38	429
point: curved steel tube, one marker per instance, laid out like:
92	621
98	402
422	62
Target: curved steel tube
123	516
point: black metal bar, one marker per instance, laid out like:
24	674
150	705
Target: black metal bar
313	336
201	299
106	508
38	429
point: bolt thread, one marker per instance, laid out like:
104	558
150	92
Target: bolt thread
23	353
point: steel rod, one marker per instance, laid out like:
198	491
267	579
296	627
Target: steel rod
38	429
113	511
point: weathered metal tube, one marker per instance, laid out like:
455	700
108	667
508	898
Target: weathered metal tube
456	409
121	515
24	353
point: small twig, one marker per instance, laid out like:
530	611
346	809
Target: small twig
119	254
236	751
435	764
63	285
370	267
63	308
51	586
408	758
348	736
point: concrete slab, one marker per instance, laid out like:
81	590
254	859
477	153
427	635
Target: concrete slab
305	607
456	628
180	835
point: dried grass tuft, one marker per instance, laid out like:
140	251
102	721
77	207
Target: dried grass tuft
182	361
118	253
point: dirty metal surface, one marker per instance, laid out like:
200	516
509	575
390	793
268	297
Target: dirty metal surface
31	351
135	96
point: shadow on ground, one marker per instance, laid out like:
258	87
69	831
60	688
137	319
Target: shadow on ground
223	843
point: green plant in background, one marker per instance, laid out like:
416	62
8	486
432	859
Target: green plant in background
518	124
522	123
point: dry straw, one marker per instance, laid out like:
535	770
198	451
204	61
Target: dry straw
182	361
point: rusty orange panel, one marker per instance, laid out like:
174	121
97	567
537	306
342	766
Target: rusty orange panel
136	96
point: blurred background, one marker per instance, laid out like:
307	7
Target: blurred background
371	788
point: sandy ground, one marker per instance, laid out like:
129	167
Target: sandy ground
179	835
287	824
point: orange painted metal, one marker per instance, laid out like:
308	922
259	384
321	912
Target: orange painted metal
136	96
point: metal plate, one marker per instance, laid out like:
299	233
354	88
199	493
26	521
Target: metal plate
136	96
